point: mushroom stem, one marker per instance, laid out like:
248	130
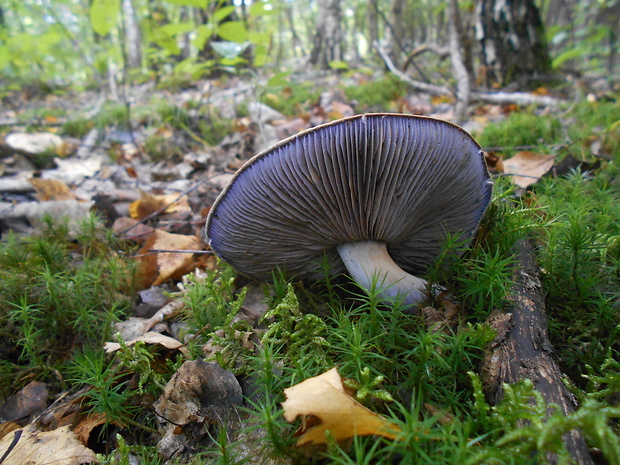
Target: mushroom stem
370	265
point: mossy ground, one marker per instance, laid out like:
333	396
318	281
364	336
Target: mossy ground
423	379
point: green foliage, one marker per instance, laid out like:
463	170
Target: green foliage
522	129
288	96
58	291
296	332
580	263
211	301
376	94
109	394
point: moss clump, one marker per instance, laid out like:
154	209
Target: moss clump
522	129
58	292
376	94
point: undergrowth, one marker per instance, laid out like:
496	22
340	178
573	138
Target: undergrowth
422	378
59	291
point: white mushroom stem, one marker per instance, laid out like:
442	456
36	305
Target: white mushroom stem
370	265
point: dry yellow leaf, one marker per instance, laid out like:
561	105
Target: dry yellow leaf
164	266
526	168
58	447
324	397
149	204
51	189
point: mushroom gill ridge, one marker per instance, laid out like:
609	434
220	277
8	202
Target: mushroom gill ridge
387	178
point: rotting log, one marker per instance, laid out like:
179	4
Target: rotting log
522	348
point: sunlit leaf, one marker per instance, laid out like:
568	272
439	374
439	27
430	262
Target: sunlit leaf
176	29
258	9
104	15
223	12
202	35
567	55
233	31
324	397
194	3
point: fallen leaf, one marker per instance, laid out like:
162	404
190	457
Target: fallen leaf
150	204
164	266
28	402
150	337
526	168
324	397
58	447
51	189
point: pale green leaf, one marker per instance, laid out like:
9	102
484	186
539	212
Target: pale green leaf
567	55
176	29
194	3
260	8
104	15
279	79
223	12
233	31
202	35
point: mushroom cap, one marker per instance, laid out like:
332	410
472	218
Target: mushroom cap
404	180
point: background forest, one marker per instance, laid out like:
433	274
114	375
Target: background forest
125	340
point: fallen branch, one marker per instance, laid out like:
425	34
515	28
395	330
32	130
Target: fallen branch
520	98
522	348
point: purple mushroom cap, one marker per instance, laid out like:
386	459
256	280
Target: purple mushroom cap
404	180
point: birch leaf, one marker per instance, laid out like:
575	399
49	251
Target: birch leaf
324	397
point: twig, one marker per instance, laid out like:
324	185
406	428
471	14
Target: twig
521	98
424	86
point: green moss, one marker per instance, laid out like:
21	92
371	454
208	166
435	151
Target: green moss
376	94
522	129
58	292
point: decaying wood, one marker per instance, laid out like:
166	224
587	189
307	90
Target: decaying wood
522	348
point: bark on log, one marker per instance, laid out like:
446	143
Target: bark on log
522	348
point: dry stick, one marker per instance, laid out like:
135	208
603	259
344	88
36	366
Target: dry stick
522	348
521	98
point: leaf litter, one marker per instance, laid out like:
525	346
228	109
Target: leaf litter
162	206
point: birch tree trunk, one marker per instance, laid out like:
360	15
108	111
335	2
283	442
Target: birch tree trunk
328	40
511	35
133	35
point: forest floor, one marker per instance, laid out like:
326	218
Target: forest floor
106	325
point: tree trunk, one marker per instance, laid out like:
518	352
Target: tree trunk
133	35
512	39
522	348
394	33
327	43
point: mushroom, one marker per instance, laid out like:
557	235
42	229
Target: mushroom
374	194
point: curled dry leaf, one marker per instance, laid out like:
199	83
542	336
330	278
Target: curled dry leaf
149	204
58	447
164	266
526	168
324	397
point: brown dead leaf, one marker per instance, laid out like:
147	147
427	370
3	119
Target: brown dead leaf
58	447
324	397
29	401
526	168
150	337
51	189
164	266
150	204
130	229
